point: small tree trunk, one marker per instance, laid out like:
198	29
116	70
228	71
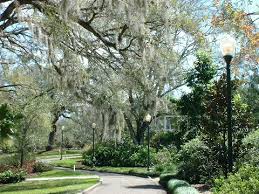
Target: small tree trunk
22	157
140	136
23	146
141	127
51	139
52	134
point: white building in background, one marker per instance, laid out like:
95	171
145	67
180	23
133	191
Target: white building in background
167	123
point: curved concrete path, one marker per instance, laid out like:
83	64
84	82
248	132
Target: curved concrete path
123	184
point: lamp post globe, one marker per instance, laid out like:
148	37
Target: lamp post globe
228	45
147	118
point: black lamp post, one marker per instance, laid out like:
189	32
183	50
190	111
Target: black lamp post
228	48
93	157
62	140
147	120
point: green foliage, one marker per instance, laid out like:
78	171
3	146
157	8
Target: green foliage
192	104
251	94
203	72
173	184
123	154
59	173
10	160
41	167
47	187
164	139
205	108
186	190
12	177
165	160
164	178
246	180
8	120
195	162
68	163
214	121
7	146
250	151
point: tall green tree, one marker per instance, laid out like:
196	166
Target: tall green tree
214	120
8	121
199	80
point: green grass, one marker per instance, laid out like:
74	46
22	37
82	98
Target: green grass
120	169
58	173
57	156
46	187
68	163
138	171
56	152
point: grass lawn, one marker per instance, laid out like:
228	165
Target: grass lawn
56	152
58	173
46	187
139	171
120	169
68	163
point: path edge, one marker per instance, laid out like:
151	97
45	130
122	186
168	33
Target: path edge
91	188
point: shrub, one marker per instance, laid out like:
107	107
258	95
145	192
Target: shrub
173	184
246	180
87	159
166	138
185	190
41	167
7	147
10	160
195	164
12	177
164	178
121	155
165	160
139	157
28	167
250	151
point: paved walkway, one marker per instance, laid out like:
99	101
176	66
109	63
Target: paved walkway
123	184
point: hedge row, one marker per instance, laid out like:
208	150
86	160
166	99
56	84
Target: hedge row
175	186
12	177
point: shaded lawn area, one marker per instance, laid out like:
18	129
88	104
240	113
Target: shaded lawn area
68	163
46	187
137	171
57	153
57	156
58	173
120	169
